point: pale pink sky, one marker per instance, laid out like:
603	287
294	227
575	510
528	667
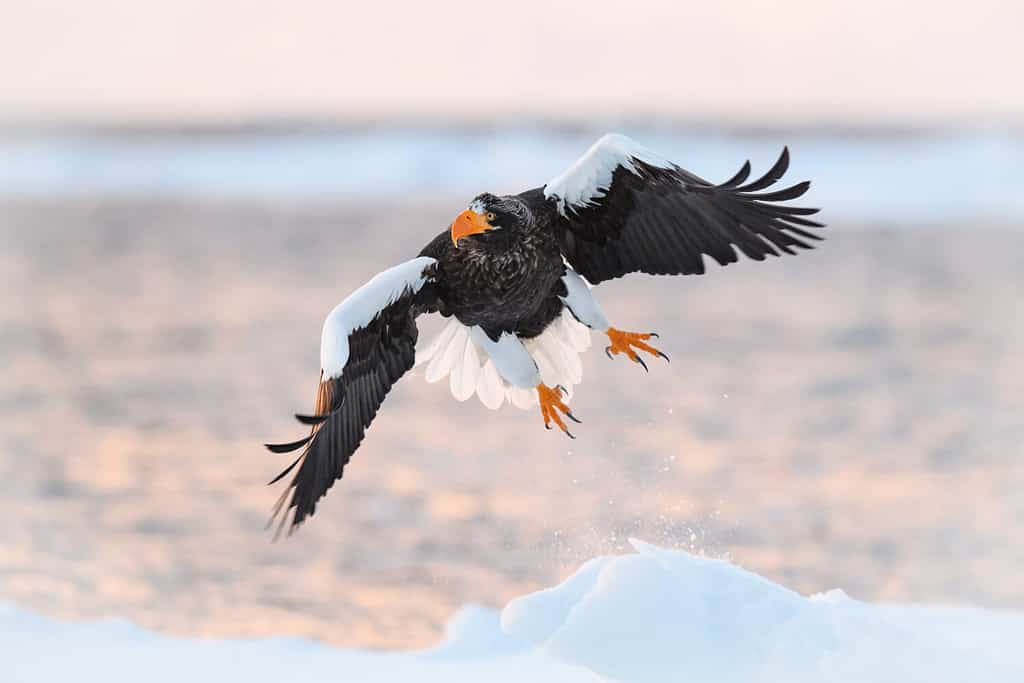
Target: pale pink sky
817	61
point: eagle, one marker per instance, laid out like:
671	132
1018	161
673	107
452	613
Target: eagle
513	274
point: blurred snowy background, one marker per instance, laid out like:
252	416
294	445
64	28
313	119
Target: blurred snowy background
186	188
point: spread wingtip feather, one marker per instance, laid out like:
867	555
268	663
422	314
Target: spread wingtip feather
287	447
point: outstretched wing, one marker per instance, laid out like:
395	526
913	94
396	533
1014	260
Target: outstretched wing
368	343
623	209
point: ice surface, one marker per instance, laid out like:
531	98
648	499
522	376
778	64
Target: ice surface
38	650
878	177
657	615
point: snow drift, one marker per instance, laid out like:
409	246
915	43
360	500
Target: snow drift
664	615
657	615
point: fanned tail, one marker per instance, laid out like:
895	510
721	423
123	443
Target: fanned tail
454	354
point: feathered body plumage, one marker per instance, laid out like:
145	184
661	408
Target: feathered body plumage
515	271
507	279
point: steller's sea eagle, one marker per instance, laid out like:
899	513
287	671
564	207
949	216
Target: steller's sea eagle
513	274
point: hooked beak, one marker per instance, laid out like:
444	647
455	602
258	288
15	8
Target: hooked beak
468	223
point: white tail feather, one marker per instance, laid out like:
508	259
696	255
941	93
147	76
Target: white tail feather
449	353
522	398
435	352
454	354
465	372
576	332
426	352
489	386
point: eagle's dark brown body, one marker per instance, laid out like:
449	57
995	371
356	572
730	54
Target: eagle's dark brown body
507	280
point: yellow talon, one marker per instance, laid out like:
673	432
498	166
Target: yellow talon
552	408
626	342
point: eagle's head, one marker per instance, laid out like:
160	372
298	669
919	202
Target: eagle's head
490	217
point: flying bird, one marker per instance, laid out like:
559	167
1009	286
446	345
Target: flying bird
514	276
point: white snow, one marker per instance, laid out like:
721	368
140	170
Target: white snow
657	615
34	649
663	615
362	306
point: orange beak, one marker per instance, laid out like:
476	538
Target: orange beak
468	223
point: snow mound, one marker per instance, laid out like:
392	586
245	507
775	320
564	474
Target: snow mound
654	616
663	615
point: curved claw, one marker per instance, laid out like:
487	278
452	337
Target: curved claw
552	407
632	344
574	418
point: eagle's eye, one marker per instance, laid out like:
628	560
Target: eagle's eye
489	216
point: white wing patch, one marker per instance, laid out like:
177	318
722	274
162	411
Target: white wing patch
456	354
362	306
590	177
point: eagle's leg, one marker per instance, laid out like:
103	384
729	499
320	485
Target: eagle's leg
629	343
584	307
551	406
